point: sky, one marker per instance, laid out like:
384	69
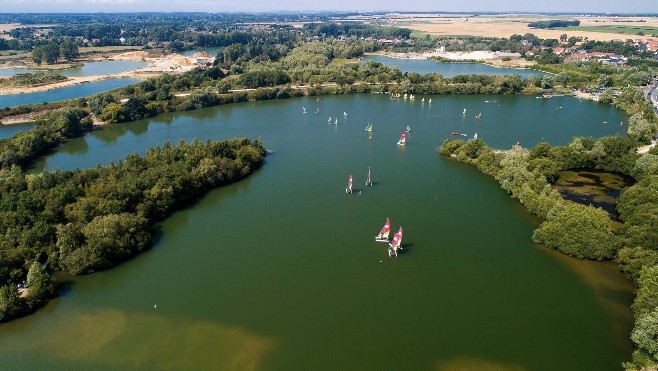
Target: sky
218	6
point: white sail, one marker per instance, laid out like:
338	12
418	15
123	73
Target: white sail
403	139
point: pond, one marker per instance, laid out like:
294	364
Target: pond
69	92
281	271
593	187
447	70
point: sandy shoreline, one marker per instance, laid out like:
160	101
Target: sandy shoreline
174	63
482	57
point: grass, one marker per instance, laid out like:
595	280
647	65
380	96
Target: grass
624	30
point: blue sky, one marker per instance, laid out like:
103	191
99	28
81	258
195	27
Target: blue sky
582	6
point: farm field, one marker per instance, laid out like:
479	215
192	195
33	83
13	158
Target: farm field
602	28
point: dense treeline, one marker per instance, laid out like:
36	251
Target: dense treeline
554	24
584	231
356	29
88	220
50	131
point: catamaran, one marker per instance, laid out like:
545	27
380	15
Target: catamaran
403	139
396	244
368	179
383	234
349	185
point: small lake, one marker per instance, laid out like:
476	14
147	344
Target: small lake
593	187
69	92
281	271
88	69
424	66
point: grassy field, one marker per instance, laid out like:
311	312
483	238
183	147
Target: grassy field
624	30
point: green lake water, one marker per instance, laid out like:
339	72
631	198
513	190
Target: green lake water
281	271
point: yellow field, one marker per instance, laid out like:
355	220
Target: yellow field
507	25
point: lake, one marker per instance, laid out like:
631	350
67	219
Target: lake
281	271
447	70
69	92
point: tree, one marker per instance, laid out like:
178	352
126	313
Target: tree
578	230
9	302
40	284
37	55
640	129
645	334
50	53
113	112
69	49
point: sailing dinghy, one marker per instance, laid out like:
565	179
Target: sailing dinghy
396	244
383	234
403	139
368	179
349	185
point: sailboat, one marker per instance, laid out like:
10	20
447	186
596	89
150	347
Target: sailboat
464	111
336	122
344	114
369	179
329	121
349	185
430	101
369	127
475	136
317	110
303	109
408	128
403	139
396	244
383	234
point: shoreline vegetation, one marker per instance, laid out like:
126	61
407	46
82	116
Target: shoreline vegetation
61	229
88	220
583	231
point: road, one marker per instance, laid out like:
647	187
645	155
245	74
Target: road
652	96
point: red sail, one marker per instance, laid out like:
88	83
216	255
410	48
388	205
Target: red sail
385	231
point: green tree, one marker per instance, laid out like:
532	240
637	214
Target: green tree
578	230
40	284
69	49
50	53
645	334
37	55
9	303
113	112
640	129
